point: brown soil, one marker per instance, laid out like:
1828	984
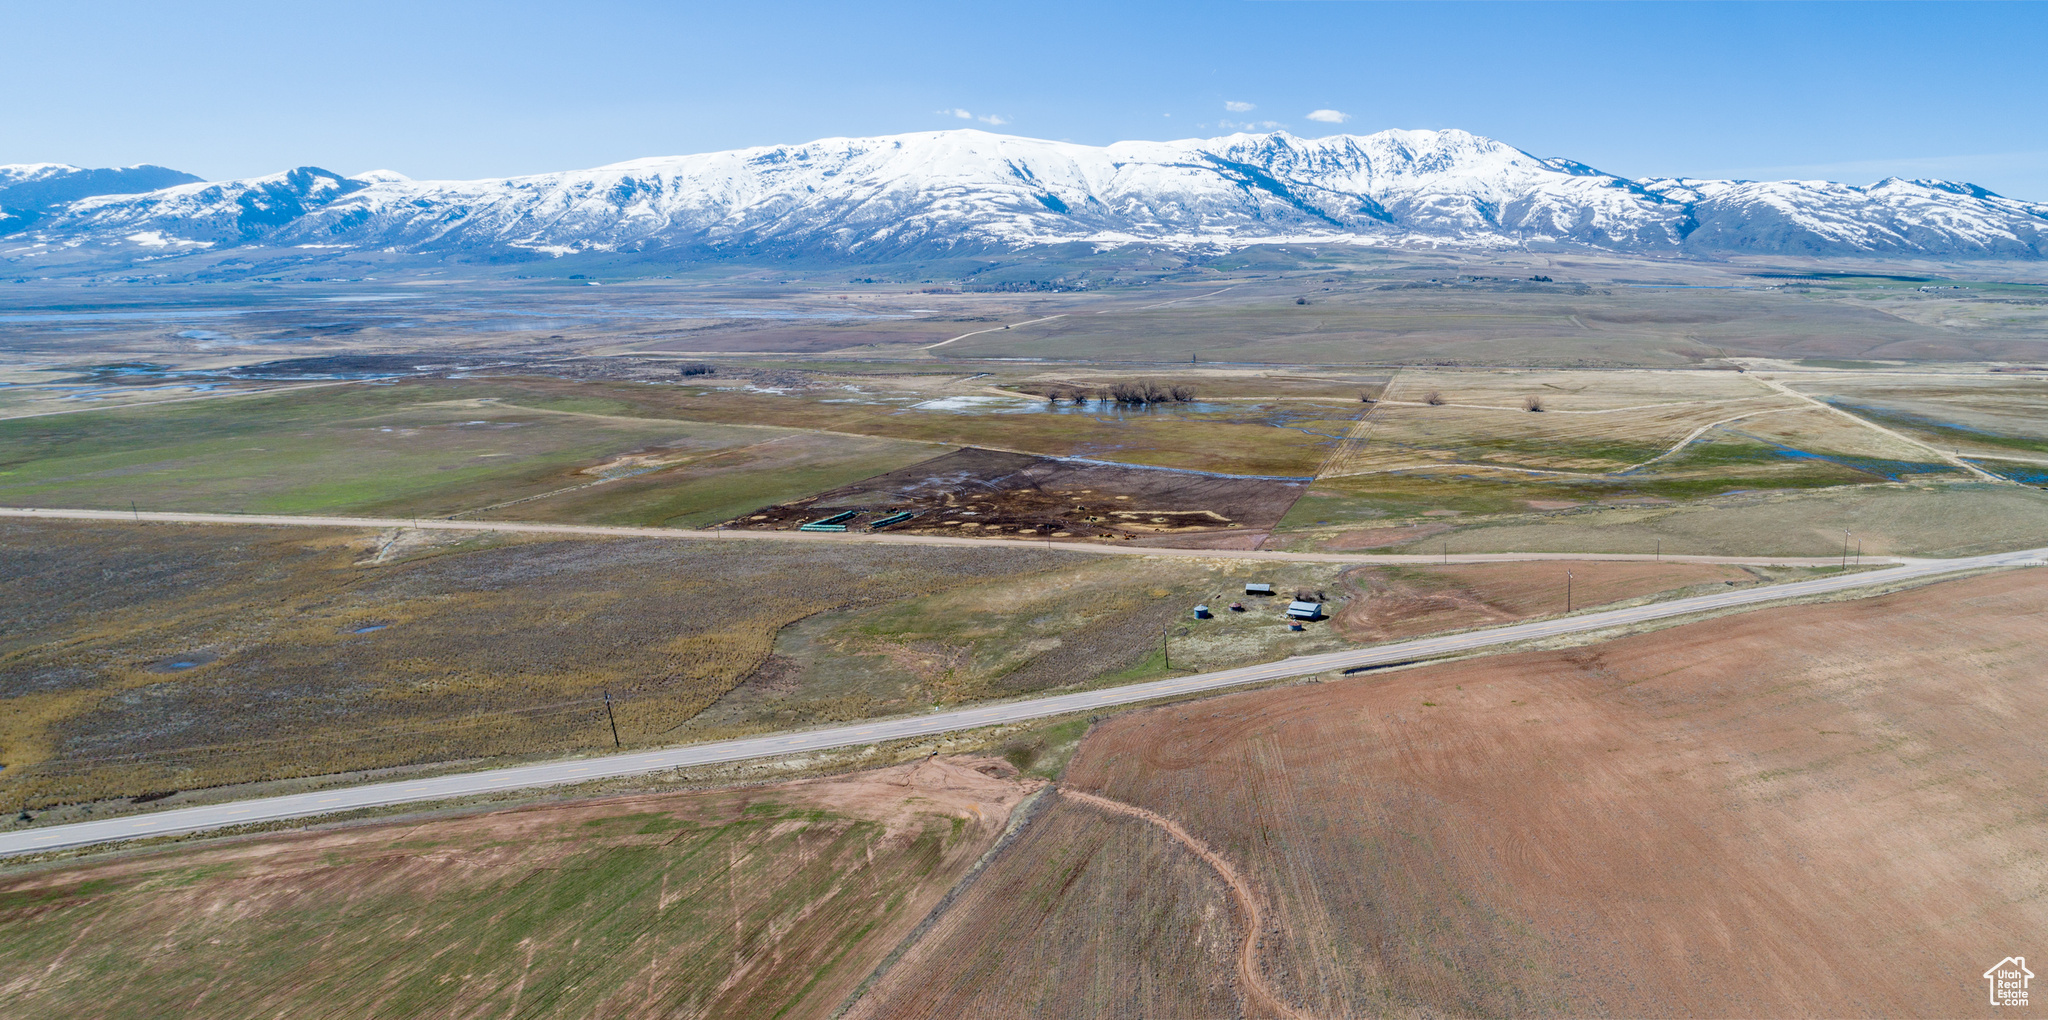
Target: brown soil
764	901
991	493
1085	914
1403	602
1257	989
1824	810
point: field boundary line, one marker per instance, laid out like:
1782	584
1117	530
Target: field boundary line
651	469
1554	410
1357	439
1875	427
2005	459
732	535
996	329
1169	301
1020	820
186	400
1701	431
1240	890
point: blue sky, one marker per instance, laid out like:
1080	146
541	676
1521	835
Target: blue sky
452	89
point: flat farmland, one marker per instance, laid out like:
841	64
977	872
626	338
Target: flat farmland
1588	422
1409	601
1823	433
1804	514
423	448
1418	315
764	901
1263	438
138	660
672	490
1097	624
1725	818
1570	391
824	337
2001	418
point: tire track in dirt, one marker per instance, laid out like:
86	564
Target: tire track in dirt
1248	957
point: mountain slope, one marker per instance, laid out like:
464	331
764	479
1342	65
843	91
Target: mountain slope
29	190
874	198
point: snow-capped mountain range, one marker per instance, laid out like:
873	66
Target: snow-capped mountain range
931	192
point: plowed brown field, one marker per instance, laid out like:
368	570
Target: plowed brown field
1825	810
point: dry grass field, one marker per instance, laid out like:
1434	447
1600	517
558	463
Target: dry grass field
1592	423
1731	818
1998	420
1888	519
671	490
143	659
1409	601
426	448
768	901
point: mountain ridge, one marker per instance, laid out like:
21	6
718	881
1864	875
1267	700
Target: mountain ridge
953	191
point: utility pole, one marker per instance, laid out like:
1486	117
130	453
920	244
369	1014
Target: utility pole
614	719
1859	552
1567	590
1447	554
136	512
1163	650
1660	550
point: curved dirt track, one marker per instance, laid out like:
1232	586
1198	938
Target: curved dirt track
1255	984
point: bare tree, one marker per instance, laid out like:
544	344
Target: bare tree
1149	392
1433	399
1532	403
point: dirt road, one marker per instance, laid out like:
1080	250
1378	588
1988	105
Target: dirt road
1104	548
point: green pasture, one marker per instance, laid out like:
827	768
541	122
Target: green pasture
728	483
753	911
1236	441
412	448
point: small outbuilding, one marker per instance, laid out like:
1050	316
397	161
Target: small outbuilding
1258	589
1305	610
1201	612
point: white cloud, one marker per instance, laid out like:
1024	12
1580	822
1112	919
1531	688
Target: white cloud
1250	125
1329	116
1236	107
993	118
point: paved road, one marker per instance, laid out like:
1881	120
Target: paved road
555	773
1106	548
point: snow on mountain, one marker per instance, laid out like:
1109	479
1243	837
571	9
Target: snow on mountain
29	190
969	190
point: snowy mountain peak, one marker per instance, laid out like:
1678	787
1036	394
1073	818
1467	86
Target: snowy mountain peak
964	190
